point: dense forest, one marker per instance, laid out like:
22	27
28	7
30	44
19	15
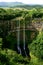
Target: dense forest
21	36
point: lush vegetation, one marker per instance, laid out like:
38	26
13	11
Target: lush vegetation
37	46
8	40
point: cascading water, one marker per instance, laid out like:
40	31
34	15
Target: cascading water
18	37
24	38
22	49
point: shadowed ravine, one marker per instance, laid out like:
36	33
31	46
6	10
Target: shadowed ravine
20	44
24	49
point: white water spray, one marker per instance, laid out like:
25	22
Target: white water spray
24	37
18	37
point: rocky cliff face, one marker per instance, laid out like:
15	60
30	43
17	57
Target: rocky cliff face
38	24
11	26
7	27
35	24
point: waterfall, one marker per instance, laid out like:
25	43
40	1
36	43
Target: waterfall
24	38
18	37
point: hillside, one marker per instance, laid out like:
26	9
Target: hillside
10	4
19	5
29	6
21	36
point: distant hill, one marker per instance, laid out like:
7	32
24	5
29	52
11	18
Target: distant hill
29	6
19	5
10	4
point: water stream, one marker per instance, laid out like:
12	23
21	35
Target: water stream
18	38
24	38
23	50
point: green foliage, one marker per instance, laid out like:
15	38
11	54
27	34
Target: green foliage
9	57
10	41
0	42
8	14
4	59
2	11
37	46
12	58
37	14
